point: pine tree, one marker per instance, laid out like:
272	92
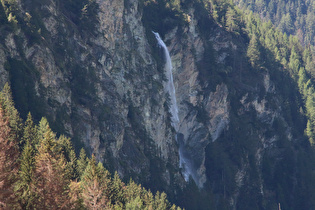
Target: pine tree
309	62
25	186
7	104
30	132
310	132
47	139
160	201
82	162
94	186
118	189
75	195
277	54
72	166
294	62
42	128
149	200
232	21
9	153
133	190
253	52
302	79
64	146
51	177
134	204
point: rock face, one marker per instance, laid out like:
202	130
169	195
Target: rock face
98	84
97	74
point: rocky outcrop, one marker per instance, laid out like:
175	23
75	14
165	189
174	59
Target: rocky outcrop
101	83
103	88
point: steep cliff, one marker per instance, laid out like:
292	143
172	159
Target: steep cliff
95	70
92	74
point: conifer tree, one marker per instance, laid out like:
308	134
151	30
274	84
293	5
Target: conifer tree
277	54
232	22
82	162
51	177
253	52
30	132
135	203
118	189
302	79
94	186
7	104
310	132
47	139
149	200
75	195
294	63
160	201
41	177
25	186
42	128
8	163
132	190
65	147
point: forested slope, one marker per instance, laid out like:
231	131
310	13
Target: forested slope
258	159
244	91
293	17
41	171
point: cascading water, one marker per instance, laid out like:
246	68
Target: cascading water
170	88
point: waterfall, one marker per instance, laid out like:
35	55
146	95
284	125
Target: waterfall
184	163
169	86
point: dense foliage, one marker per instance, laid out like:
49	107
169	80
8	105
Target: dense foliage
296	17
268	45
39	170
291	66
286	171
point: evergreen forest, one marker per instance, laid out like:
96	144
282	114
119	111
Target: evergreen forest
293	17
257	161
39	170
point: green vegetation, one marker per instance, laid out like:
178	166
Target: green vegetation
40	171
170	11
260	49
295	17
271	50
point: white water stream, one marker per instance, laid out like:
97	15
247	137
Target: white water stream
169	85
184	163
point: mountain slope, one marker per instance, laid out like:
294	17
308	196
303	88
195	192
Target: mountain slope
96	70
40	171
291	17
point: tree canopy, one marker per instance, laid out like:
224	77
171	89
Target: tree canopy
39	170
